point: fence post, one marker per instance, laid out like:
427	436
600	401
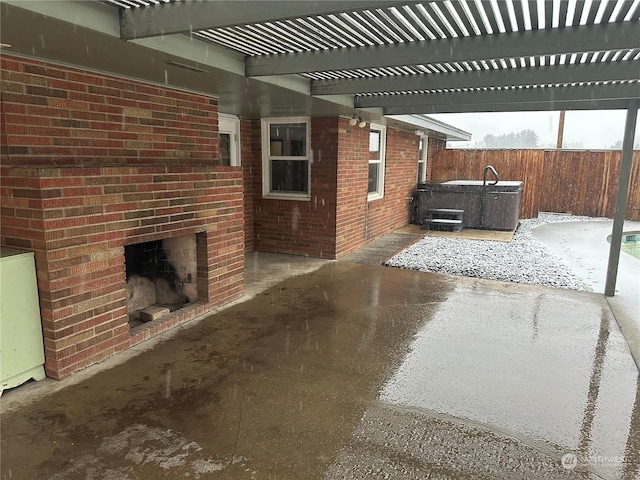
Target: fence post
621	198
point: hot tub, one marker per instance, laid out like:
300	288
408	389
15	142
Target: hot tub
487	206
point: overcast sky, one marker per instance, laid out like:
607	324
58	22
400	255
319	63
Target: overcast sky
583	129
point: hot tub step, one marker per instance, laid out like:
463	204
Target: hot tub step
444	220
450	213
448	219
446	224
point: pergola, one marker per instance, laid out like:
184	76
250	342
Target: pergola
377	58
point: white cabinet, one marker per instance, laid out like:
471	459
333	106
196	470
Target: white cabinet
21	344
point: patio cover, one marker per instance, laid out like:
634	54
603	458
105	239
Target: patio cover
377	58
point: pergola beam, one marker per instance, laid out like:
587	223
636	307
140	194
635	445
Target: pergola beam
514	96
508	107
567	40
185	17
559	74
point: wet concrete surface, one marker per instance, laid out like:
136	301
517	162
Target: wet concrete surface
354	371
378	251
263	270
583	246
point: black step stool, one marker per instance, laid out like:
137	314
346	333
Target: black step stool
443	219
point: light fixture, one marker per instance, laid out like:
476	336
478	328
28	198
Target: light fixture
357	120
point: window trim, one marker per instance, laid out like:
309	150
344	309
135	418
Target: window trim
422	159
266	158
379	193
230	124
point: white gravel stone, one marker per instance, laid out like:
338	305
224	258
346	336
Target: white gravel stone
523	260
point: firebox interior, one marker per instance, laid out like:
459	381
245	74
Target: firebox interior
160	273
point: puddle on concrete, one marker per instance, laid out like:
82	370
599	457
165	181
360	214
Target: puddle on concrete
550	370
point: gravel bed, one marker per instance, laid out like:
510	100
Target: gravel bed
523	260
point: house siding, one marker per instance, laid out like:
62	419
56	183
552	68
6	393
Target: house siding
300	227
401	169
248	152
338	219
353	173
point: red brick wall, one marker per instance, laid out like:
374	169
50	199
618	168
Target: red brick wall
300	227
74	117
338	219
401	167
249	165
91	163
353	173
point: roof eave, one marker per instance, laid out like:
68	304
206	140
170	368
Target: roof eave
423	122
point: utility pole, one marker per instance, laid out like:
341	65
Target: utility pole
560	130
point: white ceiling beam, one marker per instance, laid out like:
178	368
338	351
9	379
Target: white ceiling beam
412	103
185	17
591	72
585	38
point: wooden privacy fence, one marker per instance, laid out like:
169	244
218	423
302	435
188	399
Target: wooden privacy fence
562	181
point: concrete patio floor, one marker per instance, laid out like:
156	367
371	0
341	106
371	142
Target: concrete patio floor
584	248
350	371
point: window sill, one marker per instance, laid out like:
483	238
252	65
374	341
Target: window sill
374	196
300	197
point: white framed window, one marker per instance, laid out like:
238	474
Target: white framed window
229	136
422	159
377	144
286	155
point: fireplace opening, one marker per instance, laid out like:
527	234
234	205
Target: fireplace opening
161	277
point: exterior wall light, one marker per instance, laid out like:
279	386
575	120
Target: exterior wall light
357	120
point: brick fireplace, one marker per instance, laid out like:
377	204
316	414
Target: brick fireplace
92	164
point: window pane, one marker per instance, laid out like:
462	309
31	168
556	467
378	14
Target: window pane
289	176
420	171
420	150
288	139
225	149
374	168
374	145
